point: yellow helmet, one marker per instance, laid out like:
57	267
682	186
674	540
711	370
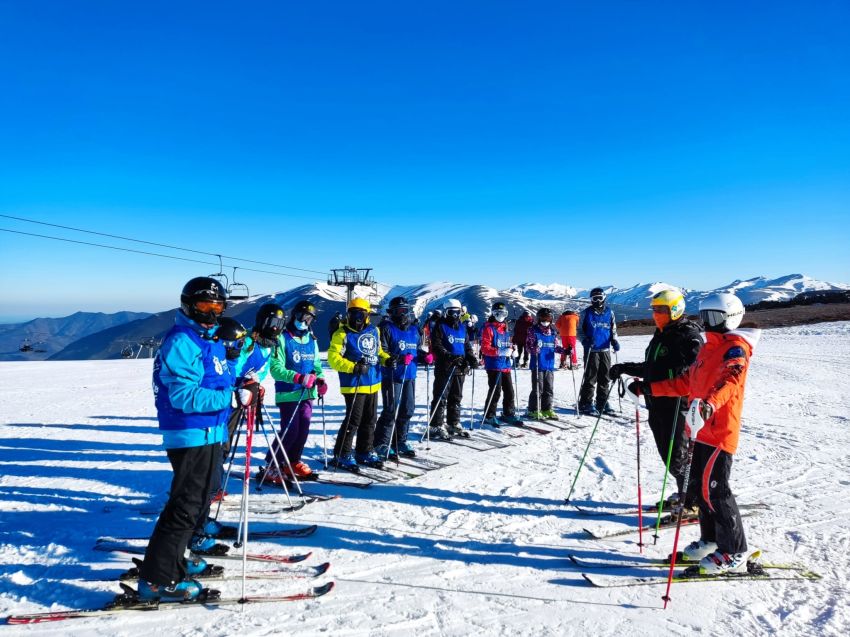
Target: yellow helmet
359	304
672	300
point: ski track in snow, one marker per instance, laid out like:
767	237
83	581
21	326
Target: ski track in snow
478	548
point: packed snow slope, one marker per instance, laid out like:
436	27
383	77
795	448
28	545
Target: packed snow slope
478	548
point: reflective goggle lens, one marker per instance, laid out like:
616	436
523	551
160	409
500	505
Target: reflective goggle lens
357	315
216	307
597	298
712	318
237	344
305	317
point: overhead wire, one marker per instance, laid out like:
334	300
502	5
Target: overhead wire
162	245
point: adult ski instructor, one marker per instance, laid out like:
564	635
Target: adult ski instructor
598	330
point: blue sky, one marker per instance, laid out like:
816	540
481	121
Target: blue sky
479	142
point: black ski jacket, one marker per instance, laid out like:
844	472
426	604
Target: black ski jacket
669	354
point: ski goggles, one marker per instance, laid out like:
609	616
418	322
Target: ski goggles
597	298
305	317
205	307
357	315
400	310
500	315
661	309
274	323
238	343
454	313
712	318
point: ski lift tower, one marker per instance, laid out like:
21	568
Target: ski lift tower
350	277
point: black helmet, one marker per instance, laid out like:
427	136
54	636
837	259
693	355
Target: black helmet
270	321
544	314
231	333
597	298
305	312
400	312
203	300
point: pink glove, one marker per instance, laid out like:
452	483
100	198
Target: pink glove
321	386
305	380
429	358
408	359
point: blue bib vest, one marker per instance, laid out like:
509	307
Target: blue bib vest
300	358
453	339
500	341
545	349
216	376
256	360
359	345
402	342
600	328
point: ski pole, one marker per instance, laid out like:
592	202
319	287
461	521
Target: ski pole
575	393
279	442
324	433
395	413
619	397
275	461
667	467
539	384
690	459
587	448
472	404
490	394
439	400
233	447
243	520
343	430
427	405
636	400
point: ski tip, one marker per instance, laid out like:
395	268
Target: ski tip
321	569
324	589
588	579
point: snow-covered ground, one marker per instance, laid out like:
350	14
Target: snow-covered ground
478	548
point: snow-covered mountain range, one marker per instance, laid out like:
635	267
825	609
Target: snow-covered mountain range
628	303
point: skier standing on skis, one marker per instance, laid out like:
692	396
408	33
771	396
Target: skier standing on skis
453	358
400	339
299	380
520	336
498	353
714	385
673	348
193	389
598	335
567	326
356	353
542	345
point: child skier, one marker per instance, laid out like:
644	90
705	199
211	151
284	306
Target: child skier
498	353
714	385
521	329
356	353
567	326
453	358
598	334
192	390
542	346
299	380
400	339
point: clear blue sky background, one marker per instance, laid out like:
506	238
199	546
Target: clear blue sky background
480	142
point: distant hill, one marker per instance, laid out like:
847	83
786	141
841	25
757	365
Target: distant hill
54	334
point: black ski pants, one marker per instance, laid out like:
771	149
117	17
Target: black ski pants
719	518
188	501
361	414
664	414
500	382
595	379
450	384
392	394
545	380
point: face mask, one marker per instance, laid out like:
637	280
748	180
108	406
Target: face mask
301	326
545	323
231	354
500	316
662	319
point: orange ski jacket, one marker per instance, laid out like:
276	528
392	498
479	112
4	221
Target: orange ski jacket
717	376
567	325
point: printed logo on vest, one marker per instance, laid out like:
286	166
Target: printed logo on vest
402	345
219	366
368	344
296	356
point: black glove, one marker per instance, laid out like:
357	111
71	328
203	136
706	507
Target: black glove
360	367
471	361
459	362
392	362
638	387
615	371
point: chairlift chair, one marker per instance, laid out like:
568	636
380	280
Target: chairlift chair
237	291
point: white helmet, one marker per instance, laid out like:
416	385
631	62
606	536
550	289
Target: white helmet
452	304
721	309
473	319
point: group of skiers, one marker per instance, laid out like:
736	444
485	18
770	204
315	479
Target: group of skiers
209	371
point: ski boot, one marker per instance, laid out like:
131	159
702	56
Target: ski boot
512	419
588	410
405	450
386	452
370	459
606	410
302	472
204	545
718	563
535	415
189	590
457	431
548	414
270	474
346	462
492	421
217	530
439	433
695	551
